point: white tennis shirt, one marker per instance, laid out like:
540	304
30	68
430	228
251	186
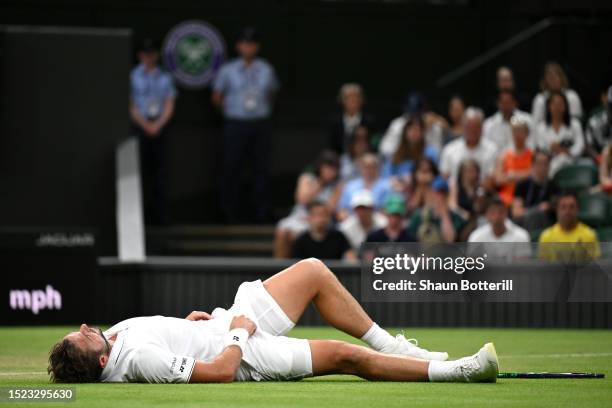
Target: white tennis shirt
160	349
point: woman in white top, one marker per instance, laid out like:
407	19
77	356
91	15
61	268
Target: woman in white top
560	135
555	80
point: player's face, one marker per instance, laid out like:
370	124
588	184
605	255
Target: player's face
89	338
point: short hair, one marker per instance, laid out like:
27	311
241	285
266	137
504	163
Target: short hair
473	112
69	364
314	204
496	202
348	88
566	194
369	157
520	121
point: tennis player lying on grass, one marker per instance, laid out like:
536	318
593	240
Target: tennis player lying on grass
247	342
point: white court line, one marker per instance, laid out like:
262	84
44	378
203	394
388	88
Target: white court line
578	355
22	373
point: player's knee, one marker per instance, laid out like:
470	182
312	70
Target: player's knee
348	356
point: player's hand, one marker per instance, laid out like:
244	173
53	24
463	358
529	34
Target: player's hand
243	322
197	315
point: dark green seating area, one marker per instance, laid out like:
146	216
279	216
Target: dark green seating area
577	177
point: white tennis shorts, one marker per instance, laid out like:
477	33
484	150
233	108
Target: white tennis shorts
269	354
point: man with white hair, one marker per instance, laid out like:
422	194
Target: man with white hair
470	146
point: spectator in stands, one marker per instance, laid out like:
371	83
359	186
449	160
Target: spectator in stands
498	230
477	217
362	221
471	146
152	98
531	205
599	125
568	229
514	164
394	209
321	240
505	82
435	126
343	125
369	180
412	147
555	80
456	110
436	222
464	188
244	89
605	170
322	186
359	145
425	171
560	135
497	128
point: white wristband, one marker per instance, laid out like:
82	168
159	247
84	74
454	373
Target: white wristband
236	337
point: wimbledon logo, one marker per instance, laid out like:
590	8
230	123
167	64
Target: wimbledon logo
193	52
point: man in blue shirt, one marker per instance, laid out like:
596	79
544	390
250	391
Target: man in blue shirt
244	90
152	97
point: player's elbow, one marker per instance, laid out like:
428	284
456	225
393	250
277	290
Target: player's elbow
226	376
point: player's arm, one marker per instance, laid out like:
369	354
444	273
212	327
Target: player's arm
223	368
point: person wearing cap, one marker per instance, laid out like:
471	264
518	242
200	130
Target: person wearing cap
321	240
244	89
394	231
436	222
152	98
363	220
435	126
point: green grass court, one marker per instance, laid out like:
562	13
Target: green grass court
23	353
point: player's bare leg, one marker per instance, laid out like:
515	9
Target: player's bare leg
310	280
337	357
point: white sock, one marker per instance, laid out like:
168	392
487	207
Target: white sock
442	371
378	338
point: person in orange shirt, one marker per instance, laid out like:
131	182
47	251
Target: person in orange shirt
514	164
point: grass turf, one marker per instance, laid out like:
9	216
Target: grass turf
23	353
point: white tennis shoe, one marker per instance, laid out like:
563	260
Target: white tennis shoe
481	367
410	347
